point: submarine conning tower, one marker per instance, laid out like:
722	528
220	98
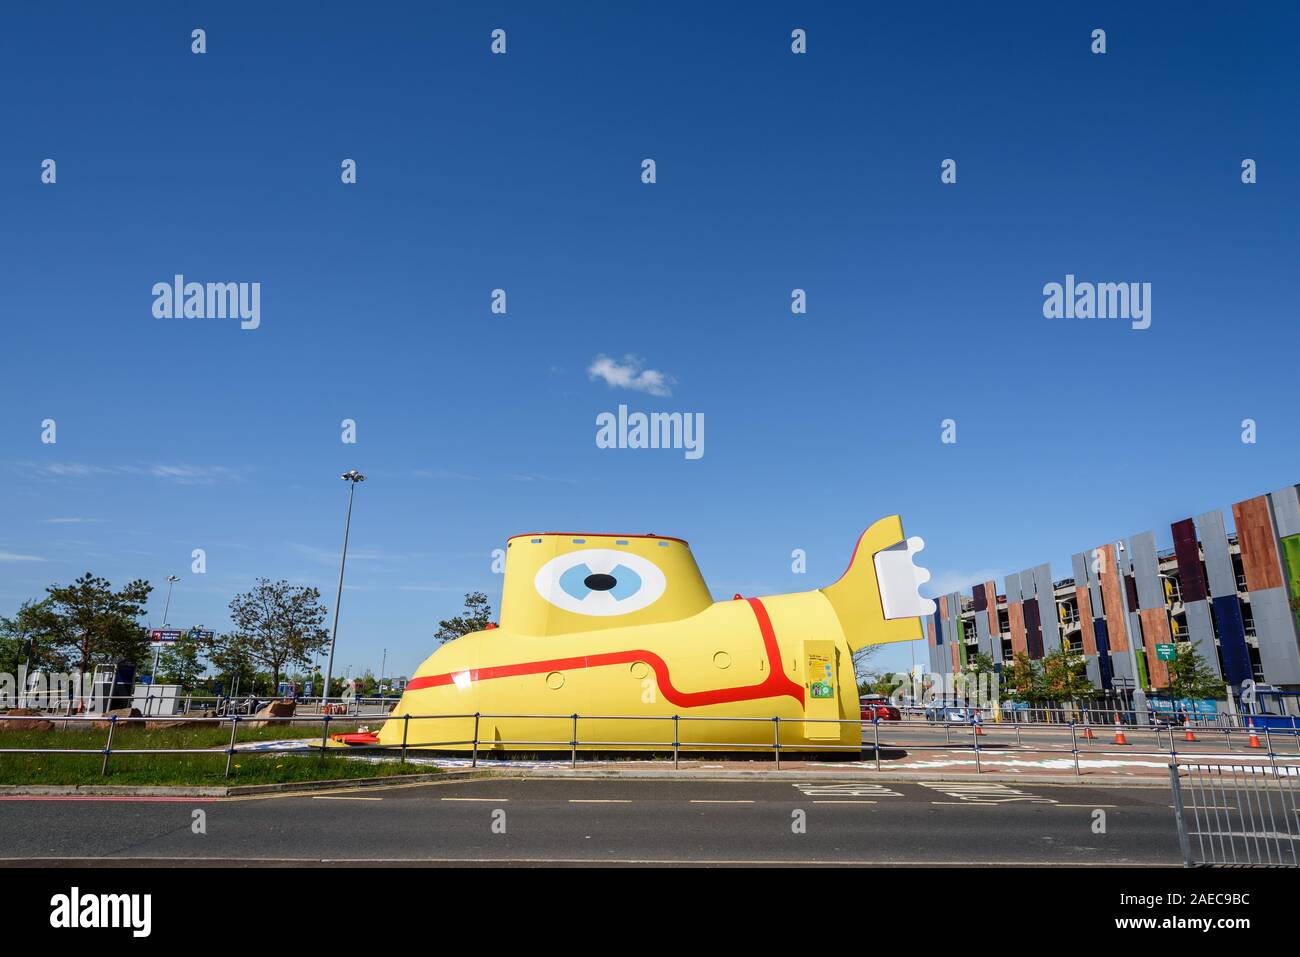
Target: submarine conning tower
558	583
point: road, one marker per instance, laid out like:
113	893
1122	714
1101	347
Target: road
609	821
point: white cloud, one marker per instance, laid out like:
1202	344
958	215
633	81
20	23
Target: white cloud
629	374
182	474
330	556
70	521
15	557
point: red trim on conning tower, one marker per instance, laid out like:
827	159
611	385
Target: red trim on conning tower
774	685
662	538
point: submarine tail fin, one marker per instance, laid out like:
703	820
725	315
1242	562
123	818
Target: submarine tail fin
876	599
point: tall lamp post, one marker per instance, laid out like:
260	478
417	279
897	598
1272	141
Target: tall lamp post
352	477
157	648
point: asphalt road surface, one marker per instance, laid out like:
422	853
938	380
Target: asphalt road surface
609	821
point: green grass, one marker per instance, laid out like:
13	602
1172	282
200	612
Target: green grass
183	769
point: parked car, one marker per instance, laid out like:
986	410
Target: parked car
946	712
877	706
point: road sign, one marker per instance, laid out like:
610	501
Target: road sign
164	635
1166	652
200	633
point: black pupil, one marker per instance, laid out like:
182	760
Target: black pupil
600	582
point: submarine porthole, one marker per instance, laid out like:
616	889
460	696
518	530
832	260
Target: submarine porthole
600	582
555	680
640	670
722	660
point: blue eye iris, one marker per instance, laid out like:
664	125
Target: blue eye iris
580	581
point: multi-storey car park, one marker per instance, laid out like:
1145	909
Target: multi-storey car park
1228	595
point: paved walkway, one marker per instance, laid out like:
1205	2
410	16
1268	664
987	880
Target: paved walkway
1103	761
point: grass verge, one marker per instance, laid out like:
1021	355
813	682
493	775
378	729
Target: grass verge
182	769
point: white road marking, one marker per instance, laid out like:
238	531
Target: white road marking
967	803
599	801
489	800
720	802
845	802
858	789
985	792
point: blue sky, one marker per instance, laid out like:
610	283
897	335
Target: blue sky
522	172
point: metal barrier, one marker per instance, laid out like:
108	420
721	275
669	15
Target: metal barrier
960	738
1232	814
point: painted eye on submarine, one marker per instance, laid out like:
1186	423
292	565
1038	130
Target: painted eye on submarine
600	581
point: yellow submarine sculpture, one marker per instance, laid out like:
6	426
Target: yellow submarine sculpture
622	631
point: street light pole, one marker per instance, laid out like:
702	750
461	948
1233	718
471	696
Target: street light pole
157	648
352	477
171	580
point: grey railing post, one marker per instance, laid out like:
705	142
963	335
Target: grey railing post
974	733
406	728
324	729
677	740
1074	746
230	751
1268	744
573	757
108	745
1184	843
947	734
1015	719
876	723
474	760
776	740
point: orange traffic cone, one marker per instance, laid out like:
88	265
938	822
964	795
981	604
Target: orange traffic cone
1254	736
1187	727
1119	732
1087	732
979	728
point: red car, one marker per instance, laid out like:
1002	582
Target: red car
876	706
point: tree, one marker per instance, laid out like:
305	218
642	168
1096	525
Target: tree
20	641
861	658
230	662
1021	679
90	622
1190	676
477	616
1065	676
276	624
872	683
178	662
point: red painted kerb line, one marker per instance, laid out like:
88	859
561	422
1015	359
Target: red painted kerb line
775	684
